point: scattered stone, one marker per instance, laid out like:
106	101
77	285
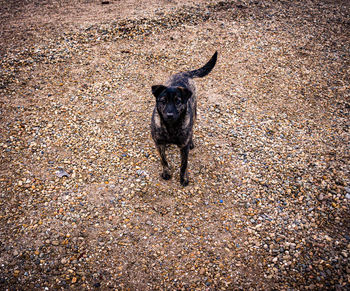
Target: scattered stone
82	202
61	173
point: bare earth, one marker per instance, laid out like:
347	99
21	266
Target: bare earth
82	203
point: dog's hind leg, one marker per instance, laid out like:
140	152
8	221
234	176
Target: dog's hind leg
166	175
183	170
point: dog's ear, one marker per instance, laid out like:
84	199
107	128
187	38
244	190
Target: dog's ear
185	93
157	89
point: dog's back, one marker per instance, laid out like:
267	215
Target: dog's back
183	79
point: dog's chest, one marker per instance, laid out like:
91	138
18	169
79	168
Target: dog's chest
171	134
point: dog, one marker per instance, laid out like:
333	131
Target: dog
174	116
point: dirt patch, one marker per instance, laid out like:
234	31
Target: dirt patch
268	202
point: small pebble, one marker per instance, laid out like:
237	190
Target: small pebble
83	205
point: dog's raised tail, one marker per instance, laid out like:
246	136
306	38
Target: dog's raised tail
206	69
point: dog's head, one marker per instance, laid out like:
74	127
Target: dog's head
171	102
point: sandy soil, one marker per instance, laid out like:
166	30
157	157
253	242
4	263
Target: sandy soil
82	203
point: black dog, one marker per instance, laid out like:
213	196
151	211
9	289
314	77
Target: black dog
174	115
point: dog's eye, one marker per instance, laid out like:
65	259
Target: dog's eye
177	101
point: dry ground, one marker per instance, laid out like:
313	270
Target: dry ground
82	204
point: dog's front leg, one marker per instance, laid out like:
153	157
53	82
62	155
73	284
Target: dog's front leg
183	170
166	175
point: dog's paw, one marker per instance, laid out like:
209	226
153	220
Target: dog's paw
191	145
184	181
166	175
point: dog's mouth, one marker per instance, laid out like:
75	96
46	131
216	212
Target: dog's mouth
170	120
170	117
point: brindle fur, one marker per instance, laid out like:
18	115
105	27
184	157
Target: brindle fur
174	115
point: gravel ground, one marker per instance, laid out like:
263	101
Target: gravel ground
82	203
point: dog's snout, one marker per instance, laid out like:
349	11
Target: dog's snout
170	115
